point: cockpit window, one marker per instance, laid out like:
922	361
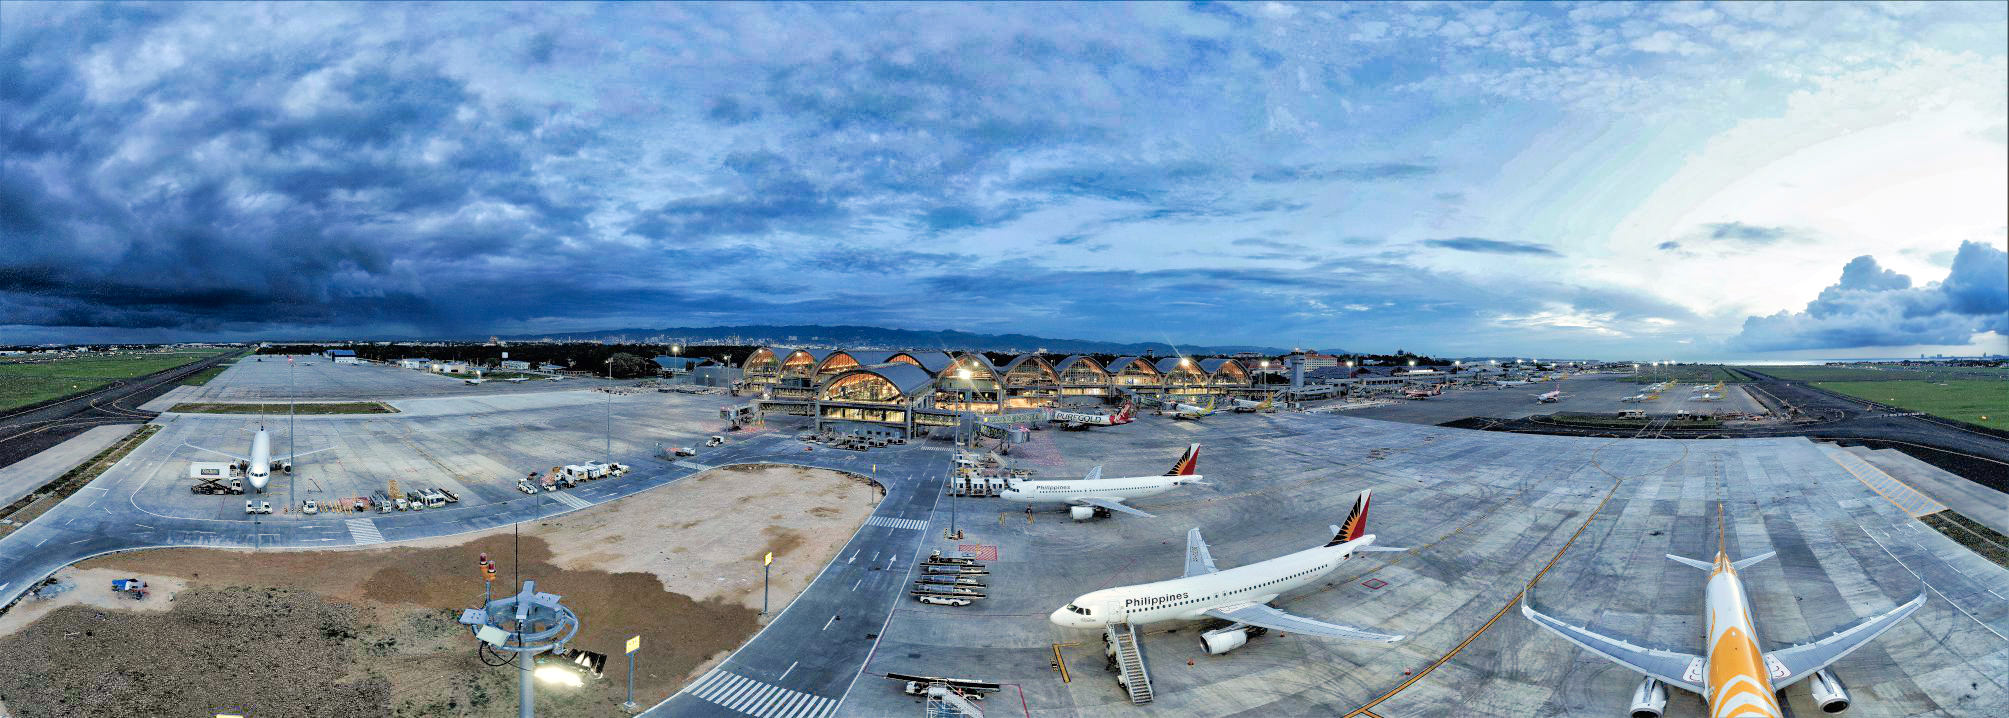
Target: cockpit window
1077	609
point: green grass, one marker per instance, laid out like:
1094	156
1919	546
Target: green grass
347	407
1893	372
202	377
1975	401
1691	375
24	383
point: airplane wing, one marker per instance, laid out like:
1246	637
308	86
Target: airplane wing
1198	559
213	451
1669	667
1256	614
1806	658
1113	505
303	453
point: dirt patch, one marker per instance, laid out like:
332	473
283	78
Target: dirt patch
372	633
93	588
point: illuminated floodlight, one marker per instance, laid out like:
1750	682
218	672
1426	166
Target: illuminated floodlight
560	675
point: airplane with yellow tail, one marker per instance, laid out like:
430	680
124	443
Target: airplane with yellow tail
1734	677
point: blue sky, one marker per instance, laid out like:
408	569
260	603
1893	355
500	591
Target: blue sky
1645	181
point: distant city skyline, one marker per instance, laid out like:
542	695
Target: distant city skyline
1682	180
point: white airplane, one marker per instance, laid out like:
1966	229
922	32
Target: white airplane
1637	398
474	381
1191	412
1510	382
1240	595
1733	675
1549	398
1095	497
516	380
258	467
1082	418
1706	397
1244	406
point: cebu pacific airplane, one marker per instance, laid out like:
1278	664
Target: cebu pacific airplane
1240	595
1268	404
1733	675
1190	412
1095	497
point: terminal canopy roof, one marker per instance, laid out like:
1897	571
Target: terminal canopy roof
1080	369
897	383
1181	370
801	363
1224	371
1029	370
983	376
765	361
841	360
933	362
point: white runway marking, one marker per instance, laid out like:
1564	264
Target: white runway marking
751	697
572	501
912	524
364	531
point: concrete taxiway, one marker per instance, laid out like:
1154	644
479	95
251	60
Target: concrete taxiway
1592	393
314	378
1484	513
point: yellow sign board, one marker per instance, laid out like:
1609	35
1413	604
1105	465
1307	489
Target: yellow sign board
769	561
634	643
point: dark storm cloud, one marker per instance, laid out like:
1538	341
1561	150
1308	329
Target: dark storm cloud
1491	246
1875	307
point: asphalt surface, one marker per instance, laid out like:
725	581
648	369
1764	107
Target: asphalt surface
27	431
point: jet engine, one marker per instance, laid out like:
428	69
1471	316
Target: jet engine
1829	693
283	466
1649	700
1222	640
1084	513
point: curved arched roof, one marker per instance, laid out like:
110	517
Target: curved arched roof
1168	365
857	358
933	362
1217	367
1046	370
1069	363
1120	364
911	381
775	354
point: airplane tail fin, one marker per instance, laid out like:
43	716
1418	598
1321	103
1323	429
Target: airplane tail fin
1189	462
1356	522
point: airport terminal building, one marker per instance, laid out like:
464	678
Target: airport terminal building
902	393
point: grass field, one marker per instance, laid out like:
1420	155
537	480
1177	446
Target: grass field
1693	374
1975	401
27	383
1888	373
347	407
202	377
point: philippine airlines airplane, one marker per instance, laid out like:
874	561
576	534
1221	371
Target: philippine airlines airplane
1094	496
1189	411
1082	418
1733	676
259	465
1245	406
1240	595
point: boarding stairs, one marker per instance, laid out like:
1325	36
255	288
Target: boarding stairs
1129	657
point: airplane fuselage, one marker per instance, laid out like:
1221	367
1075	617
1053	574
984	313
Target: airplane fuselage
1734	673
1189	598
1072	492
260	470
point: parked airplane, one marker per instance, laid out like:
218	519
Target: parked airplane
258	467
1637	398
1706	397
1733	676
1190	412
1075	419
1420	393
474	381
516	380
1510	382
1240	595
1095	497
1549	398
1244	406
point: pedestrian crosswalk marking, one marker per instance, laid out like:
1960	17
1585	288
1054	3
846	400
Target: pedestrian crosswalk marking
890	522
364	532
570	500
698	467
757	698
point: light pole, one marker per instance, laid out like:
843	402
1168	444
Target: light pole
526	624
610	411
291	447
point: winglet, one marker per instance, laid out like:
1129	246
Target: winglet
1355	525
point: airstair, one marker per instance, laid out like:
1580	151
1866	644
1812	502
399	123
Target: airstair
1128	654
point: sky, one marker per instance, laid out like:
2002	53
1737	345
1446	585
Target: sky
1634	181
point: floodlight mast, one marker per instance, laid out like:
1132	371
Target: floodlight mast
532	623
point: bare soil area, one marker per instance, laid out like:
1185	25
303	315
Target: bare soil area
371	632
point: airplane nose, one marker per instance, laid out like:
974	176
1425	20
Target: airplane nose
1060	617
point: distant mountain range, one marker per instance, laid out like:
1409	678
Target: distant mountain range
881	337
